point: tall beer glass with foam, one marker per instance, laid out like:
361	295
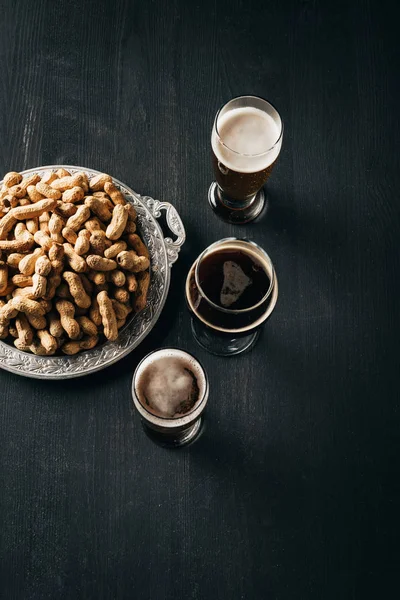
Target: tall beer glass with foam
246	140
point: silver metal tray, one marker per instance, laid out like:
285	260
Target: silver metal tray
163	253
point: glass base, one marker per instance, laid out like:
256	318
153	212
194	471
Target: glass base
222	344
240	214
170	440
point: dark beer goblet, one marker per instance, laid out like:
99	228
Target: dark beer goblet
246	140
231	290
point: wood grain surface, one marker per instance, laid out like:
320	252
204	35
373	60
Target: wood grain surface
292	492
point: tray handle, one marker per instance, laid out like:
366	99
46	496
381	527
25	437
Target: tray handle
175	224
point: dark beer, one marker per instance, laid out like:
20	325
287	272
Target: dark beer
232	287
237	185
168	387
170	392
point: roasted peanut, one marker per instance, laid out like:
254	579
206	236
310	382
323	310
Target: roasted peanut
139	247
12	178
35	210
116	196
39	285
27	263
42	239
3	276
94	224
99	207
131	282
56	224
66	183
22	244
65	210
96	277
37	348
77	290
71	348
84	181
15	190
21	346
82	244
89	342
129	261
33	194
98	242
121	323
118	222
77	220
7	223
47	191
121	294
8	311
26	292
21	280
94	312
70	325
76	262
63	173
108	317
99	263
19	230
117	277
48	341
130	227
70	235
74	194
55	327
115	249
43	266
37	322
49	177
44	217
30	180
32	225
87	326
143	280
24	329
104	196
97	183
14	259
28	306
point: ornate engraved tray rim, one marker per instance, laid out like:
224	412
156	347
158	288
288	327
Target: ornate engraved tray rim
163	253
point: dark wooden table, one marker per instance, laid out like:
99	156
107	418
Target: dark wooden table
291	492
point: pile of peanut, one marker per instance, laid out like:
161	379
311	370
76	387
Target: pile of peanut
72	267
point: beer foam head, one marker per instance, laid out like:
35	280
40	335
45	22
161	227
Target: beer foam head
246	139
169	383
